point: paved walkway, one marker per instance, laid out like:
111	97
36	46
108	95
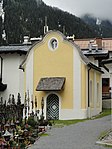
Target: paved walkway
78	136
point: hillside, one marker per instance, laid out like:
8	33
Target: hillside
100	26
27	17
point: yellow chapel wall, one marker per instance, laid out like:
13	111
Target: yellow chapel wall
58	63
92	71
98	80
83	85
95	80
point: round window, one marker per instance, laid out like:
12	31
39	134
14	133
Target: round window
53	44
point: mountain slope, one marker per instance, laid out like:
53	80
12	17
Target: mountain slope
102	27
27	17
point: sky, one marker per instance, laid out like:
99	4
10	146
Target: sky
99	8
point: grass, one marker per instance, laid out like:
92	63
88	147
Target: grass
103	134
105	112
109	146
61	123
43	134
67	122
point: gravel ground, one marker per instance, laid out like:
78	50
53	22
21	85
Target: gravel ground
78	136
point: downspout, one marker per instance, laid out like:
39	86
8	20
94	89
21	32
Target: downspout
88	93
1	69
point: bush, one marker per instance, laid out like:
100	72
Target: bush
31	122
32	140
22	145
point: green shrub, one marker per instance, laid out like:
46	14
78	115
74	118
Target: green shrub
31	122
32	140
22	145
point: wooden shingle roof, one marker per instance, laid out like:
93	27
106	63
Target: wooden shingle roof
51	84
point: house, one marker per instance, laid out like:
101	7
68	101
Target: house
107	85
102	57
11	78
56	71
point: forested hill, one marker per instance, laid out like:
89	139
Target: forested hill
102	27
27	17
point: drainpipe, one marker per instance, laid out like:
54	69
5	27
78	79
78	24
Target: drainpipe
1	69
88	94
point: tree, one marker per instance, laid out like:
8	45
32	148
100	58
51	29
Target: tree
27	17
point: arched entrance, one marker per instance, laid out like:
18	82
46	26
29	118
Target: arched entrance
52	107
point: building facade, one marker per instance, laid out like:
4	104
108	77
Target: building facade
102	57
56	71
11	78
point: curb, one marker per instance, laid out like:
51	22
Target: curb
103	143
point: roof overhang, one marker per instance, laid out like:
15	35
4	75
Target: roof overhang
13	51
15	48
94	53
105	63
94	67
51	84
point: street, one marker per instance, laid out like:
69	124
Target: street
82	135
